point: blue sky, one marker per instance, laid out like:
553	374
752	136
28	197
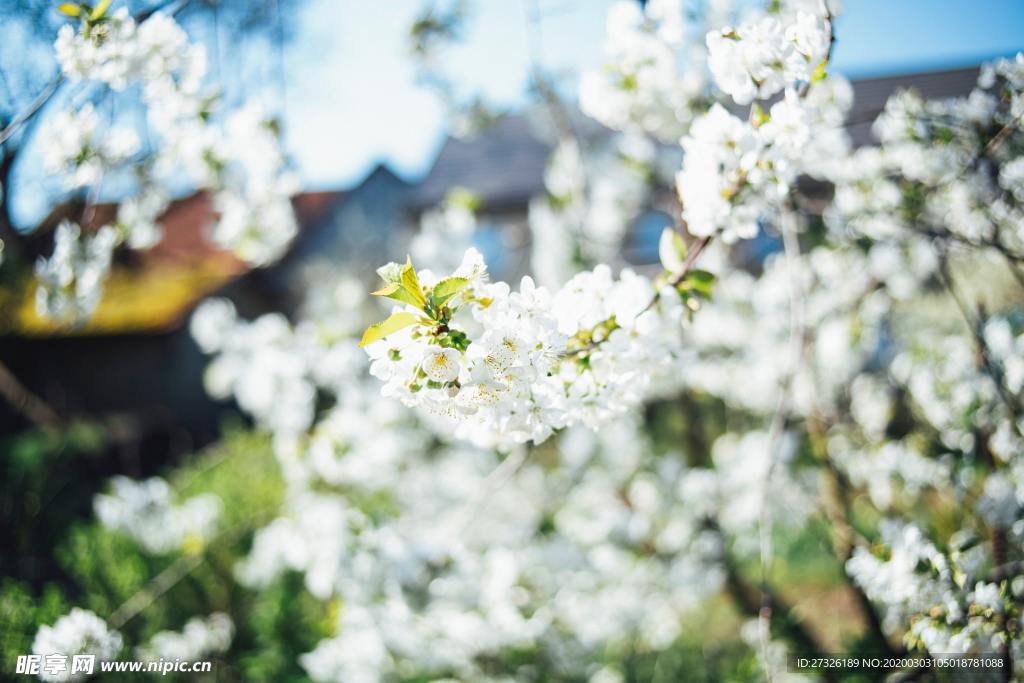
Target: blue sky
352	100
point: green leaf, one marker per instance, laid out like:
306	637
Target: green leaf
394	323
398	293
820	72
701	281
672	250
99	10
70	9
412	285
463	198
447	288
402	284
758	116
701	276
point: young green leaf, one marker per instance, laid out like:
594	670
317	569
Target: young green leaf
411	283
672	250
99	10
398	293
701	276
758	116
394	323
700	281
820	72
461	197
70	9
447	288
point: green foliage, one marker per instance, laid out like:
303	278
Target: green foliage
93	568
402	284
21	611
101	570
672	251
446	289
394	323
49	480
464	198
92	14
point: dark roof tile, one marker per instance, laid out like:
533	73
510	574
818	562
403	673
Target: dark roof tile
503	164
870	95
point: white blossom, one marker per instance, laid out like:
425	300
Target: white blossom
145	511
77	632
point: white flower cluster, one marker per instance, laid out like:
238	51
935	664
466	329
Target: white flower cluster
642	85
199	638
76	151
945	168
442	583
145	511
253	192
242	164
78	632
71	279
762	57
422	565
515	366
139	217
272	370
593	193
1001	504
913	578
736	173
952	611
446	231
960	396
733	488
890	472
117	51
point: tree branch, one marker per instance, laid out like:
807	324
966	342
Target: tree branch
24	401
751	602
974	326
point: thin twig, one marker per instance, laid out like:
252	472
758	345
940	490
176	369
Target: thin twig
788	226
162	583
491	483
24	401
996	244
691	257
41	99
48	91
974	326
1007	571
1003	133
170	577
695	249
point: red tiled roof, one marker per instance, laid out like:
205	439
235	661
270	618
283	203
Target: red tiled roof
312	206
186	225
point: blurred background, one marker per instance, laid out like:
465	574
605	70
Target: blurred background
381	128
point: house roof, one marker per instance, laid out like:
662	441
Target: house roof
310	207
870	95
149	291
504	164
154	290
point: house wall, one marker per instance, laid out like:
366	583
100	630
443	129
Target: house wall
141	385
